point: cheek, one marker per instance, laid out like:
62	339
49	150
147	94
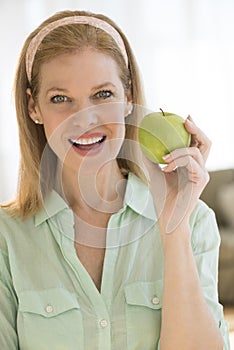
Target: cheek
115	118
53	124
51	133
116	125
120	130
117	140
54	130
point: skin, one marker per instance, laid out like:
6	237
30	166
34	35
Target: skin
100	175
93	186
81	93
176	191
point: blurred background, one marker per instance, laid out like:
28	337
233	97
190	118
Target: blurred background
185	50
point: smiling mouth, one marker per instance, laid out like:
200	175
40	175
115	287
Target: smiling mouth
87	143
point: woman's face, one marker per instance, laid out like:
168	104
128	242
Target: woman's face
82	105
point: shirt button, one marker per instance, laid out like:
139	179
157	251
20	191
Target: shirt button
49	308
155	301
103	323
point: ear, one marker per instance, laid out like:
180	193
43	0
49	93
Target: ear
128	108
129	104
33	110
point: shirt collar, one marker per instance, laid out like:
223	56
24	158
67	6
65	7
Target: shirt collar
52	205
137	196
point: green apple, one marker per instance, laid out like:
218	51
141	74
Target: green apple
160	133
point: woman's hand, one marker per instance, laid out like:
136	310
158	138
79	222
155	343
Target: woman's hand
198	138
178	187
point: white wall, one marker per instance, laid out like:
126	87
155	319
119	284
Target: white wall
185	49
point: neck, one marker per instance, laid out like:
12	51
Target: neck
101	192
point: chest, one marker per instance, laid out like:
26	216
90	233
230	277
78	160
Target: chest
90	244
129	305
92	258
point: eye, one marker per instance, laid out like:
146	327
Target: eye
104	94
60	99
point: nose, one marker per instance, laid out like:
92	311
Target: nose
86	117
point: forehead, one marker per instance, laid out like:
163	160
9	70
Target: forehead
86	66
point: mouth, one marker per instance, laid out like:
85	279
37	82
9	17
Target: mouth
86	143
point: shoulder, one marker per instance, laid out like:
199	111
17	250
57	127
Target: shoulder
8	221
205	232
12	228
201	212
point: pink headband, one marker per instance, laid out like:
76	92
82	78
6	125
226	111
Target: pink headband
93	21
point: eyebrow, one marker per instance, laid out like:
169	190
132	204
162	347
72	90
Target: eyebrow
56	89
100	86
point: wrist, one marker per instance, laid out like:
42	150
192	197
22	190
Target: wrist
179	235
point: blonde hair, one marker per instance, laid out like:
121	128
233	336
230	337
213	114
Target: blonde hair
32	138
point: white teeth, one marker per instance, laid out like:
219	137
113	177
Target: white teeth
86	141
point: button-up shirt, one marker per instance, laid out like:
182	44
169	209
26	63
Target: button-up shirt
49	301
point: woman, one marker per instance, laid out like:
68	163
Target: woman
101	249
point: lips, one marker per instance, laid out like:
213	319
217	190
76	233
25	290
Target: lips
87	142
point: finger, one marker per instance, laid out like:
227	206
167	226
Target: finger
193	152
195	166
189	187
182	162
198	138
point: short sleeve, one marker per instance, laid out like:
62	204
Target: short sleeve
205	243
8	308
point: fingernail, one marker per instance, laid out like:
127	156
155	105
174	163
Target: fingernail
190	122
167	156
190	119
164	168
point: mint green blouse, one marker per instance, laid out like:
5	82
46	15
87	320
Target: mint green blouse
48	300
